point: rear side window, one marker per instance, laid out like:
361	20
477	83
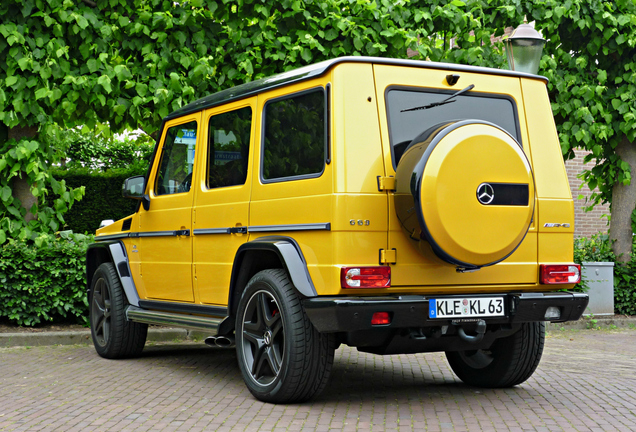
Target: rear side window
228	148
177	160
294	139
405	126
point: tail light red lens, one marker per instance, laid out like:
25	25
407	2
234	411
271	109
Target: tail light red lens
559	274
365	277
381	318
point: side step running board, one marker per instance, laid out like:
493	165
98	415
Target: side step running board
209	324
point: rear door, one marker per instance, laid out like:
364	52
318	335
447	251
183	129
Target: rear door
222	199
496	99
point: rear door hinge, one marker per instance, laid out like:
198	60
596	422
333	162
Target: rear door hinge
388	256
386	183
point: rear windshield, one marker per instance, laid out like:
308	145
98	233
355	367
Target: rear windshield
405	126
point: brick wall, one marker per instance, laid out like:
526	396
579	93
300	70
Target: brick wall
585	223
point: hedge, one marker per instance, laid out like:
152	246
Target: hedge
102	199
46	282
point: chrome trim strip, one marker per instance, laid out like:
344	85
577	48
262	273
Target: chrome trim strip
211	231
155	234
111	237
204	231
208	324
290	227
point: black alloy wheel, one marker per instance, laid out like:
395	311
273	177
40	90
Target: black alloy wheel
113	335
263	341
100	313
282	357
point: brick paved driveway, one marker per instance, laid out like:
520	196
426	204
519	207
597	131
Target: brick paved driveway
585	382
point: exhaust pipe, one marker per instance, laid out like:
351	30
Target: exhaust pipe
220	341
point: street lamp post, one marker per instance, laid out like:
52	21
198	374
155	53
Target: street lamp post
524	48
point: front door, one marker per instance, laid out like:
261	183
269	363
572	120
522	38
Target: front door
166	228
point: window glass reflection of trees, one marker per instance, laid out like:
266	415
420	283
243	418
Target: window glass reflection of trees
294	138
177	160
228	149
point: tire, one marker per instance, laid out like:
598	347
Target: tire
282	357
509	361
113	335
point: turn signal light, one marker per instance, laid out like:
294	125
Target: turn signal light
365	277
559	274
381	318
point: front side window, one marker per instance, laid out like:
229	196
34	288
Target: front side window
404	126
177	160
228	148
294	140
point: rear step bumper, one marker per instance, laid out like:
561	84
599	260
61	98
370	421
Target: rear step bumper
346	314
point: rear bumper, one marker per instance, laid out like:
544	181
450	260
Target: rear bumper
347	314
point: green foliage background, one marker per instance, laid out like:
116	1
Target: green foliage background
103	199
44	283
132	62
590	59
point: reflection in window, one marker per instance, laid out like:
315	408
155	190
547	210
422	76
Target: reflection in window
294	138
177	160
228	148
405	126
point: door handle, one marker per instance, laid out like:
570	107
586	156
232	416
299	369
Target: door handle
182	233
238	230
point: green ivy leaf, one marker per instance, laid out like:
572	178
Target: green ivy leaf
24	63
5	193
104	81
11	80
92	65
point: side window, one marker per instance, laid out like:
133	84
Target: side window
177	160
294	141
228	148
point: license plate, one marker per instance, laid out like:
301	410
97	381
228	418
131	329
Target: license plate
466	308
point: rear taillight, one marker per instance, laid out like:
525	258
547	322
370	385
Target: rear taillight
381	318
365	277
559	274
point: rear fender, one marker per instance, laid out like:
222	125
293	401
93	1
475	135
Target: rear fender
260	254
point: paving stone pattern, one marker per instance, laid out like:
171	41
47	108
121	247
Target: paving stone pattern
585	382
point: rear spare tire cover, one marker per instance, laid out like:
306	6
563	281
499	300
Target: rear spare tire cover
465	187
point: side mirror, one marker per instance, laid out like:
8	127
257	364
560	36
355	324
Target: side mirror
134	188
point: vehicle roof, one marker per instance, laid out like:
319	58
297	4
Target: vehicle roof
318	69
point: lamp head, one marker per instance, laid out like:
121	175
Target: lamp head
524	48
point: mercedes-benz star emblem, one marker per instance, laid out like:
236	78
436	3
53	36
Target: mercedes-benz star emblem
485	193
268	337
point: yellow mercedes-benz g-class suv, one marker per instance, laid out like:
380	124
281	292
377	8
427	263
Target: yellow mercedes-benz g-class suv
395	206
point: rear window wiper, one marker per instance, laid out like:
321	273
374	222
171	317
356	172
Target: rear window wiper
443	102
